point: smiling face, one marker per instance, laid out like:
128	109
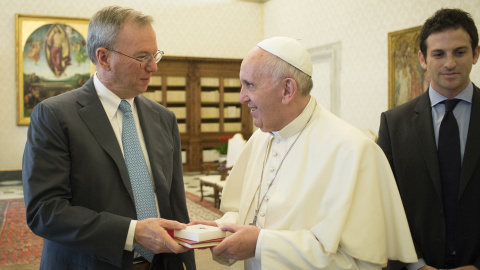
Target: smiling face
125	78
262	92
449	60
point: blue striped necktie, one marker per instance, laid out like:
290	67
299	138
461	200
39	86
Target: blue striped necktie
140	179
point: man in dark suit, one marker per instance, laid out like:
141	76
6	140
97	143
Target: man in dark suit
77	183
445	231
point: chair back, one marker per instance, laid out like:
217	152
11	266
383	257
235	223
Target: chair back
235	147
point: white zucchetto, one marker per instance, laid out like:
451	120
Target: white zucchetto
290	51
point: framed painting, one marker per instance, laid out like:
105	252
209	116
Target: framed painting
52	58
406	77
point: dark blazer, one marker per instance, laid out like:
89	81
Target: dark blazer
406	136
77	190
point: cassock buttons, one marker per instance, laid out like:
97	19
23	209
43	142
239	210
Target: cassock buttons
262	214
275	154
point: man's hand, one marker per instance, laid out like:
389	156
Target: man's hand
152	234
468	267
240	245
427	267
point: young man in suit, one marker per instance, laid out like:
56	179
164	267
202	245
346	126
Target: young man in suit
81	189
440	196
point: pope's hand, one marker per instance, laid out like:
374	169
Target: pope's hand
240	245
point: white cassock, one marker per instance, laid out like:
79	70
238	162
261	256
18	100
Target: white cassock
333	205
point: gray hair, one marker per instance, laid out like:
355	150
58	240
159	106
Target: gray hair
105	25
281	69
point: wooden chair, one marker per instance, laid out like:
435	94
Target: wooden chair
210	166
217	182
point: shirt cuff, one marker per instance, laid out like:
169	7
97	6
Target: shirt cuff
258	248
415	266
130	236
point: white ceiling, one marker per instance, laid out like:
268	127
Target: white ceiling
255	1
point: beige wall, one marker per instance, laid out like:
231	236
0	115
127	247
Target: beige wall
200	28
362	29
230	28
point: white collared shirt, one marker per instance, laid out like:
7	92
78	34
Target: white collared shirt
110	103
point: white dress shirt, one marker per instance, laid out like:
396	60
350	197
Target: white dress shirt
110	103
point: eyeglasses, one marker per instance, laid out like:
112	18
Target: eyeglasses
144	61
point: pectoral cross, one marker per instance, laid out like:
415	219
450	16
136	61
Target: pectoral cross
254	223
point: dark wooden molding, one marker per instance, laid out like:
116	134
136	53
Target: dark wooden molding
6	175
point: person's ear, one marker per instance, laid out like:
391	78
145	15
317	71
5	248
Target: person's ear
290	89
422	59
103	58
476	53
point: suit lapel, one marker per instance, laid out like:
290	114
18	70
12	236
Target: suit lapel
423	123
149	119
96	120
472	147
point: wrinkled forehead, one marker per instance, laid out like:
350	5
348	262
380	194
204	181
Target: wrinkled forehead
254	62
257	55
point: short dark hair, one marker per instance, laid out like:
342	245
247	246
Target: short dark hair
445	19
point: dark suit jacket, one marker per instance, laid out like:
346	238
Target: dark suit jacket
76	185
406	136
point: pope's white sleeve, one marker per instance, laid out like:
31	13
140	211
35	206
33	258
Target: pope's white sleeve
229	217
301	250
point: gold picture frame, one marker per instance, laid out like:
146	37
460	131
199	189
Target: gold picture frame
51	58
406	77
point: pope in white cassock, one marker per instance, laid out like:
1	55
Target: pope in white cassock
309	191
